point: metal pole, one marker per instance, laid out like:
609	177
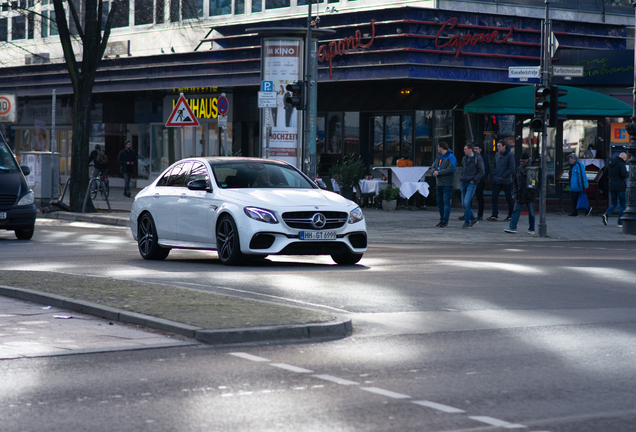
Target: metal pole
308	77
629	219
545	75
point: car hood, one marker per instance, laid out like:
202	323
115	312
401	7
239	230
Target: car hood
280	198
11	183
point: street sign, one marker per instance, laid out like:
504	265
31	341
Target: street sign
222	121
267	86
7	108
266	99
554	46
572	71
223	105
524	72
182	115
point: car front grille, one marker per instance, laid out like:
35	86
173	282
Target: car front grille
7	201
302	220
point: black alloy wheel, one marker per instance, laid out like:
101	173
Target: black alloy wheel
147	240
227	241
346	259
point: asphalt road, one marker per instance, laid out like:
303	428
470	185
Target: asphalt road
447	337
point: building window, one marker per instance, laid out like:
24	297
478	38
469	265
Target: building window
143	12
159	11
3	29
220	7
121	18
192	9
257	6
18	25
239	7
276	4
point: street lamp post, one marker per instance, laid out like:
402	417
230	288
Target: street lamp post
629	219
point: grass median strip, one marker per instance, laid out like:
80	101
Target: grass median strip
197	308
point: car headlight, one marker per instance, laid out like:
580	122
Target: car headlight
355	215
28	199
261	215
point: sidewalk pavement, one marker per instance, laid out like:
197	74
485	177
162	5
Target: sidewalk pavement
174	309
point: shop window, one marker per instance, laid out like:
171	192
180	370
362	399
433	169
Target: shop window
220	7
276	4
334	133
352	133
377	139
423	154
580	137
444	131
320	135
407	137
143	12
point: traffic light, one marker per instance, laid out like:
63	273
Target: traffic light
541	105
555	105
296	95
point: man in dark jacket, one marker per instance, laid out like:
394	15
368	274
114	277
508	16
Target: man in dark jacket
617	174
479	192
127	161
502	172
444	173
523	195
472	171
97	158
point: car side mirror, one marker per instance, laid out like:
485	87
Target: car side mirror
25	170
199	185
321	184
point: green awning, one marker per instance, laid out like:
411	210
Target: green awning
520	100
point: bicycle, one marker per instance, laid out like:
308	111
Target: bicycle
99	184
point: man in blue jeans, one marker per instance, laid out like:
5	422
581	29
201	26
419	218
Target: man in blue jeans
502	172
523	195
472	171
444	173
617	174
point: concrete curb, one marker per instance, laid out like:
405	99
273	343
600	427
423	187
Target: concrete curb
111	219
339	328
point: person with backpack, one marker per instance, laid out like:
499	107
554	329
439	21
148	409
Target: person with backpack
100	161
523	195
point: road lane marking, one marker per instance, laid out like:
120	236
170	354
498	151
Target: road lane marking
439	407
335	379
387	393
251	357
496	422
290	368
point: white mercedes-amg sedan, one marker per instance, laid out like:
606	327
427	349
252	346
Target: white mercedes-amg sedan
245	208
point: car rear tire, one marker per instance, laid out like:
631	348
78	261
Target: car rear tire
227	241
346	259
25	233
147	240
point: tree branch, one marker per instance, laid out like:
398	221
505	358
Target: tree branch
75	16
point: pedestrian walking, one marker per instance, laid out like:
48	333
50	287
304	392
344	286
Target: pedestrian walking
502	172
444	173
479	191
523	195
127	161
578	183
472	172
617	174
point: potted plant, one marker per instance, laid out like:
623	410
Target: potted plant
347	174
389	196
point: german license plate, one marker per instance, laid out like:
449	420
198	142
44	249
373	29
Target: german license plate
317	235
3	215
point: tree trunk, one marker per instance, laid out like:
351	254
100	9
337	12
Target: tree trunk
80	146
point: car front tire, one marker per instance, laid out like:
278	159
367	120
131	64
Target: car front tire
25	233
147	240
346	259
227	242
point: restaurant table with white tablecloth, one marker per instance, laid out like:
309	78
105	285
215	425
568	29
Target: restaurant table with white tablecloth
408	189
372	186
399	175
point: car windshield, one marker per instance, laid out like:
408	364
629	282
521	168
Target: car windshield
7	161
249	175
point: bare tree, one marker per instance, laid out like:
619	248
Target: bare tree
87	29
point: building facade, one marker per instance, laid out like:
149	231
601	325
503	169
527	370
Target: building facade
393	80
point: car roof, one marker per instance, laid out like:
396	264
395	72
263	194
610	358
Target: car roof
216	160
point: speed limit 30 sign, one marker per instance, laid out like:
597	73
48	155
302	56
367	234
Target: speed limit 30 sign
7	108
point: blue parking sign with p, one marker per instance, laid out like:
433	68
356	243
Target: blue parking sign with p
267	86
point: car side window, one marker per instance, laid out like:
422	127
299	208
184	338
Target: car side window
199	172
179	175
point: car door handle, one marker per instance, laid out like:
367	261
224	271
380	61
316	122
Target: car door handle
156	195
183	195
